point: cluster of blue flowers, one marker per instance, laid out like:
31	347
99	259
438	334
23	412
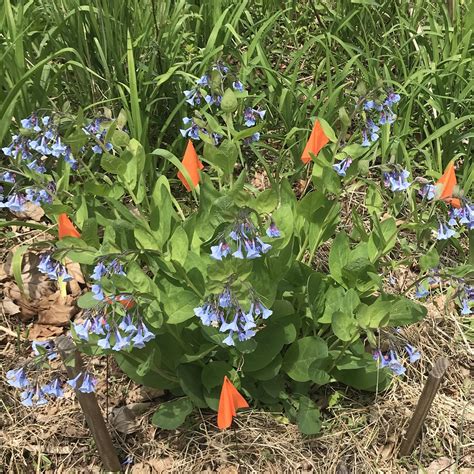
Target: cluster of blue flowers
244	241
102	270
377	113
224	311
459	218
341	167
95	130
120	336
54	269
205	92
35	393
392	361
39	139
466	299
396	180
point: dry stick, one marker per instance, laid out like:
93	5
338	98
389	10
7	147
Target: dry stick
90	407
424	404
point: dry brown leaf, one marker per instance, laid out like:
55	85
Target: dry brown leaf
440	464
141	468
56	310
9	307
74	269
29	308
31	211
142	394
124	420
160	465
40	331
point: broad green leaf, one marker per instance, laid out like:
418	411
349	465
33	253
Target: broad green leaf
309	417
344	325
171	415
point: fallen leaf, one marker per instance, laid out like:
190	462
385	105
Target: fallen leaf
439	465
56	310
28	308
74	269
124	420
40	331
30	211
9	307
161	465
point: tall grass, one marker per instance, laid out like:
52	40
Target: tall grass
304	58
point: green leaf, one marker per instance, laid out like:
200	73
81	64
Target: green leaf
316	294
339	256
179	305
87	301
223	157
170	415
178	245
302	356
404	311
214	372
309	417
374	315
429	260
190	380
344	325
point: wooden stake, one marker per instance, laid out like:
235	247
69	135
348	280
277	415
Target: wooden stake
424	404
89	405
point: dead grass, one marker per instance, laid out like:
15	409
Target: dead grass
361	433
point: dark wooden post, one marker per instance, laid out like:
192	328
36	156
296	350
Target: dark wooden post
424	405
74	365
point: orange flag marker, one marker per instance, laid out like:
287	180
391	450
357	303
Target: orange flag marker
446	185
192	164
316	141
229	402
66	227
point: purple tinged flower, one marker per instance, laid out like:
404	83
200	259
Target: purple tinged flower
45	120
100	270
58	148
33	397
82	329
229	340
15	203
43	147
192	97
466	310
120	342
63	274
127	325
220	251
97	149
88	384
27	123
73	382
53	389
7	177
273	231
413	354
203	81
232	326
47	345
262	246
428	191
234	236
246	335
8	150
238	253
98	293
369	105
397	180
68	158
250	116
394	364
206	314
421	292
341	167
392	98
255	137
142	337
444	232
45	266
99	326
365	139
17	378
251	249
238	86
262	310
104	343
225	299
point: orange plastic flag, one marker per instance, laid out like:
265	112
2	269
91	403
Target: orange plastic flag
192	164
446	185
127	303
316	141
229	402
66	227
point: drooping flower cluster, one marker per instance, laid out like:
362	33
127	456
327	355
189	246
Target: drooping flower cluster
98	135
377	113
244	241
102	270
130	332
391	360
54	269
30	377
39	139
208	92
396	180
466	299
223	311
